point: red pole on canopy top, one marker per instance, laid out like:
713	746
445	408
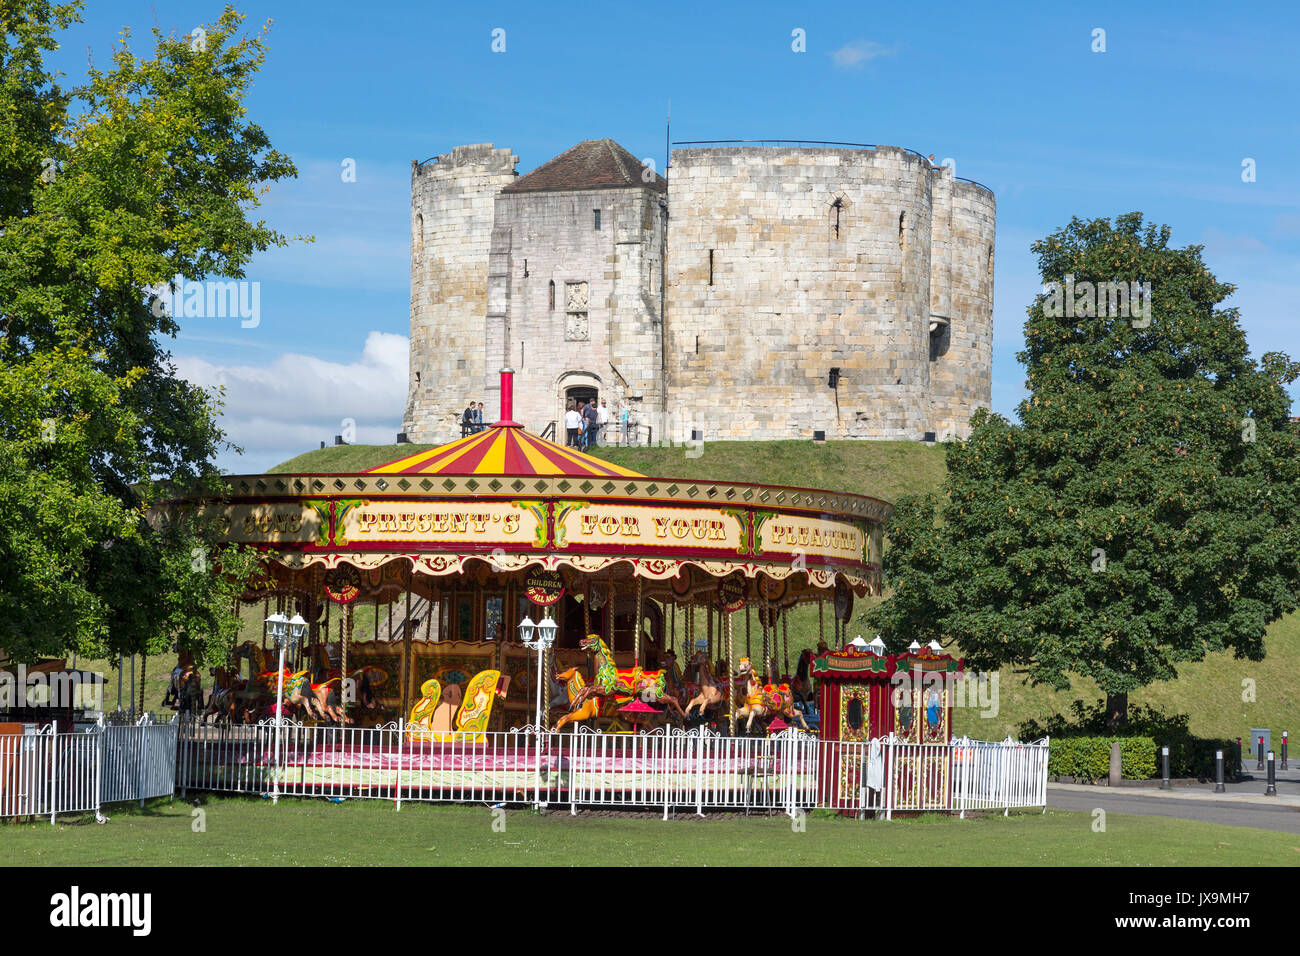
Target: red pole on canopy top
507	400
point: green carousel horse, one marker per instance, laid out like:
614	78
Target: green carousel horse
621	683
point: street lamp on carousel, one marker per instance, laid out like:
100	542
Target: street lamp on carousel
538	637
284	632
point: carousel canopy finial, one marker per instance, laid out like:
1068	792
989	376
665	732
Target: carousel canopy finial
504	449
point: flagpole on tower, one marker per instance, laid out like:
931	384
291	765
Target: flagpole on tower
668	128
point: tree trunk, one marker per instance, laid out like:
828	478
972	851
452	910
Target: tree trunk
1116	711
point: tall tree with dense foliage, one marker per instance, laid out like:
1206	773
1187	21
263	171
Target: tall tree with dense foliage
1145	511
147	171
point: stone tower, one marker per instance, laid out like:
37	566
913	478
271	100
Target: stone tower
451	230
844	290
573	284
759	293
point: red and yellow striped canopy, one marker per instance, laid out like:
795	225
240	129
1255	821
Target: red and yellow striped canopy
503	450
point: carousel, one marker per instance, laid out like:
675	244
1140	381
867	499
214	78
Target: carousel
509	581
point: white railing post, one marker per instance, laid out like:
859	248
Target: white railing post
401	738
889	778
699	774
1044	758
54	738
1004	763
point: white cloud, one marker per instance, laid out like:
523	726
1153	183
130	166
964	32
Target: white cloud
855	55
289	406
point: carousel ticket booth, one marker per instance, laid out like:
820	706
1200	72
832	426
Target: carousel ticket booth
864	696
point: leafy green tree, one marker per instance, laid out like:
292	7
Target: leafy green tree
1145	511
147	171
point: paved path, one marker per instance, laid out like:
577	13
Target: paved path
1243	805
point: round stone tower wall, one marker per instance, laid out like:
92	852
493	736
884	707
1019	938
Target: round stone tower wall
799	291
452	201
961	295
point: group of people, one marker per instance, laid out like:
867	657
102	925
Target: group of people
471	420
583	422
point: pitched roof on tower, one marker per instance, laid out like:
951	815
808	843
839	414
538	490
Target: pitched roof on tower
592	164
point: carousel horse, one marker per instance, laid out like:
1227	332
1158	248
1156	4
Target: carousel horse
612	681
764	700
590	707
189	699
299	692
710	690
651	691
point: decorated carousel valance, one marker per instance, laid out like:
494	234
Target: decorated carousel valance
514	502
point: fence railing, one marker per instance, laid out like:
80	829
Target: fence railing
47	773
138	761
664	769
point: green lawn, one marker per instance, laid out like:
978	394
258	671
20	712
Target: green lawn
251	832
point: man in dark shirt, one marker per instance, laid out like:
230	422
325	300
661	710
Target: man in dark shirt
467	420
591	417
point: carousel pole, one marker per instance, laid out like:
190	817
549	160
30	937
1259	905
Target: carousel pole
636	625
690	627
609	614
671	605
785	635
428	620
708	634
144	658
406	652
586	613
266	612
748	653
343	661
731	679
767	667
326	628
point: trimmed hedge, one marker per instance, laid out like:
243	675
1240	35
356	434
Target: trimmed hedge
1088	758
1086	747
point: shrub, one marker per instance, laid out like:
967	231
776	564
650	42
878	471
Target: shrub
1189	756
1088	758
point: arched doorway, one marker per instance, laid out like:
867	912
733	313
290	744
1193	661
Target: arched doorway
579	394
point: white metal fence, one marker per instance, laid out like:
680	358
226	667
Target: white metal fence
665	769
47	773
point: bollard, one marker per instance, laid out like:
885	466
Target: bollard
1241	760
1260	751
1284	750
1218	772
1164	769
1272	777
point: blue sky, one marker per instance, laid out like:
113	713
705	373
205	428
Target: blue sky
1160	122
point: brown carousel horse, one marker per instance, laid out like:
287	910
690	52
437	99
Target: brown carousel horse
764	700
709	690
